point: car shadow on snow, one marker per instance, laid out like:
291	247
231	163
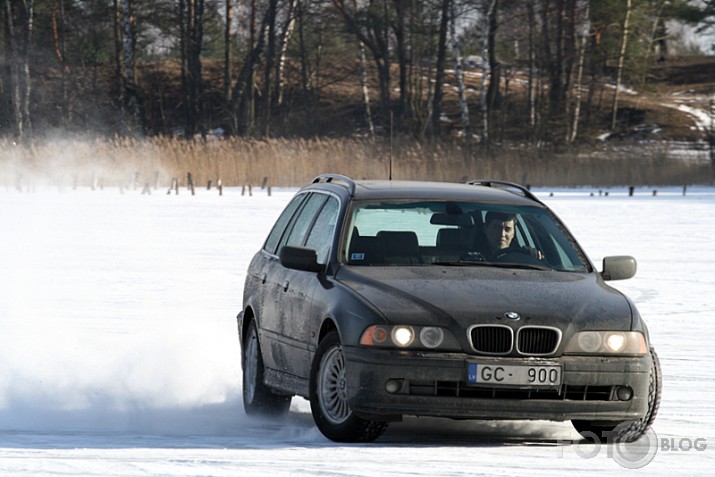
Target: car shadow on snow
225	425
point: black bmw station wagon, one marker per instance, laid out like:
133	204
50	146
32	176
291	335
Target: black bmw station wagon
376	300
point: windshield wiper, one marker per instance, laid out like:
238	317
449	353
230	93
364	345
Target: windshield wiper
524	266
481	263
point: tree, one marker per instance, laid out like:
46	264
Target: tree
191	24
18	36
369	23
445	12
126	29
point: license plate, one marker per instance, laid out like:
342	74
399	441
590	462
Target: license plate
513	375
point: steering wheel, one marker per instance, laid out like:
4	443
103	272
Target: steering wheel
517	255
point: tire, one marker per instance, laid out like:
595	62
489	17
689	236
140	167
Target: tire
329	399
628	431
258	399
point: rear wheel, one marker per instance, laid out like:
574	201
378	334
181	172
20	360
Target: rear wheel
258	399
628	431
329	397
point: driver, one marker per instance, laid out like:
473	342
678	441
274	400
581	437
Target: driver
499	230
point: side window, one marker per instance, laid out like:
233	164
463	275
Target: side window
300	226
277	232
321	235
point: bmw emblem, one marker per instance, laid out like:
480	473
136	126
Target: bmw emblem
512	315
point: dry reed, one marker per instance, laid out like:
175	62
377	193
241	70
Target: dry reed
128	162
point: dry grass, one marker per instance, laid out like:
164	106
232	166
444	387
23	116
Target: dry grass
294	162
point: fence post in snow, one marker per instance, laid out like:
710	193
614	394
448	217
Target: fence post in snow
220	187
190	183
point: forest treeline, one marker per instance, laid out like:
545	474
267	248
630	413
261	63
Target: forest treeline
263	68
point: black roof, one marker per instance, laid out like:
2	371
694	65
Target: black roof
483	191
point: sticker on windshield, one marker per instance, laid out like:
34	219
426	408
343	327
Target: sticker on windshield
357	256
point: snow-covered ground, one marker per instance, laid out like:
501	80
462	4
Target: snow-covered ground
119	356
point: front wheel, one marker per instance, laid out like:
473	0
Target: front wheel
329	397
258	399
628	431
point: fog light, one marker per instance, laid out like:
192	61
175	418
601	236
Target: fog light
624	393
393	385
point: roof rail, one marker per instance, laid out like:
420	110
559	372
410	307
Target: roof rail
335	178
509	186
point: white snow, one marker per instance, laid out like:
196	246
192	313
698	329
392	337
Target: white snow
119	355
703	119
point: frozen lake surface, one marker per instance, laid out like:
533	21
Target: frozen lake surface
119	352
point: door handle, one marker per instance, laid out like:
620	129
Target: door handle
264	278
286	284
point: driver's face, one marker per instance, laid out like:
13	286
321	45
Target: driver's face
500	234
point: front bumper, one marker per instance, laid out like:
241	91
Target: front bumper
435	384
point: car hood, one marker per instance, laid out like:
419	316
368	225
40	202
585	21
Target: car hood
463	296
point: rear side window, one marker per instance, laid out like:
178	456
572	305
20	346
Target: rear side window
279	228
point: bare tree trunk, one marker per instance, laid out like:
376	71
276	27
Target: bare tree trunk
303	50
132	106
227	50
270	58
441	62
585	29
531	87
282	51
494	73
364	89
118	60
25	81
191	21
58	38
402	57
621	61
375	37
18	35
459	74
486	74
242	91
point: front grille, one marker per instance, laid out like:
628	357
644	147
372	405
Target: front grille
461	390
537	340
492	339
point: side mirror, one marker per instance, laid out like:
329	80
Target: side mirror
299	258
618	268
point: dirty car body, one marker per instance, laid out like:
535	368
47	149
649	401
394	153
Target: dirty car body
381	299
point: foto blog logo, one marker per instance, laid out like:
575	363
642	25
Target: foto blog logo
638	454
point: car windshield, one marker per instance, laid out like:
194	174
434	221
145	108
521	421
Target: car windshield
448	233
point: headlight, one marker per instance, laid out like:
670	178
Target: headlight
402	336
607	342
431	336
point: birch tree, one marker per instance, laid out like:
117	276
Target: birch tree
459	74
584	36
621	60
445	12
